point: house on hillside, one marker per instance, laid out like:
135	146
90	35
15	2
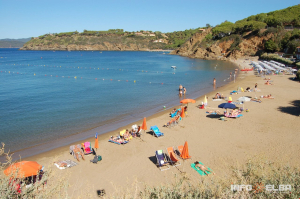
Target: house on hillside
201	29
298	52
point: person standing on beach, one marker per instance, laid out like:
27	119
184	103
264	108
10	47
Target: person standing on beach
184	90
180	90
214	82
255	86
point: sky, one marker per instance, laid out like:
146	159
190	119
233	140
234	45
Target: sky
32	18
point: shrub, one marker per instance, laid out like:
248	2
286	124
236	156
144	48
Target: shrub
257	172
55	187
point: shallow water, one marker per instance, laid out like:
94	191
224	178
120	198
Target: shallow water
46	95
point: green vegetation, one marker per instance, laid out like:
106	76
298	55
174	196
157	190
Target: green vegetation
287	16
177	38
257	172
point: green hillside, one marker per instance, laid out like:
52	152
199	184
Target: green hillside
13	43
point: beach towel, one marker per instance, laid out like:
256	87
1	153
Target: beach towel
199	171
217	99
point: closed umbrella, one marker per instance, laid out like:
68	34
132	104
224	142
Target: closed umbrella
23	169
205	100
144	125
96	141
182	115
185	151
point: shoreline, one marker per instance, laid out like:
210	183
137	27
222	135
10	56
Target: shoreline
105	136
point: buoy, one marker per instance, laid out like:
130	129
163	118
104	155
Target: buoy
75	77
134	81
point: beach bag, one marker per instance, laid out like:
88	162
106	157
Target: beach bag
99	157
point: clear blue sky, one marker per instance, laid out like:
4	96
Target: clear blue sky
32	18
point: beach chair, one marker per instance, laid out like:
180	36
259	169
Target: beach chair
161	160
171	123
87	148
156	131
172	157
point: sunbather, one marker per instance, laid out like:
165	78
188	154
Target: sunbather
267	96
268	83
215	112
256	100
174	110
218	96
202	168
78	152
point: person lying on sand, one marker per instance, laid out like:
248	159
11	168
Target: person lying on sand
268	83
215	112
267	78
267	96
218	96
256	100
202	168
116	139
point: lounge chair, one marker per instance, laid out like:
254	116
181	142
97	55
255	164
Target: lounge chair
156	131
161	160
87	148
172	157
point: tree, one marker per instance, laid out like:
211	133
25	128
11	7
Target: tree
208	25
271	46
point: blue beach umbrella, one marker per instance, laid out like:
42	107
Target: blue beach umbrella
227	105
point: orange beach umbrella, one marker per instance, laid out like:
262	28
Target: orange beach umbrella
186	101
96	141
185	151
182	112
23	169
144	125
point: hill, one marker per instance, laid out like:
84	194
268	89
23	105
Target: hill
113	39
265	32
13	43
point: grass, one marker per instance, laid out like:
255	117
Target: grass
257	172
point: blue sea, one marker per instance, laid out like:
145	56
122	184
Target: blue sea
47	96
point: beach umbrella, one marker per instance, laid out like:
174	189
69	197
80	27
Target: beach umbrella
185	151
187	101
23	169
227	105
244	99
96	141
144	125
205	100
182	115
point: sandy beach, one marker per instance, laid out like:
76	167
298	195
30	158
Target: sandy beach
268	129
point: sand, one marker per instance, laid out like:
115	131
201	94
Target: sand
269	128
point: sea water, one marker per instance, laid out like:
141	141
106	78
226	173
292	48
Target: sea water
49	95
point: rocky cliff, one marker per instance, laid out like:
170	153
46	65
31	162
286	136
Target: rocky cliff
229	47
